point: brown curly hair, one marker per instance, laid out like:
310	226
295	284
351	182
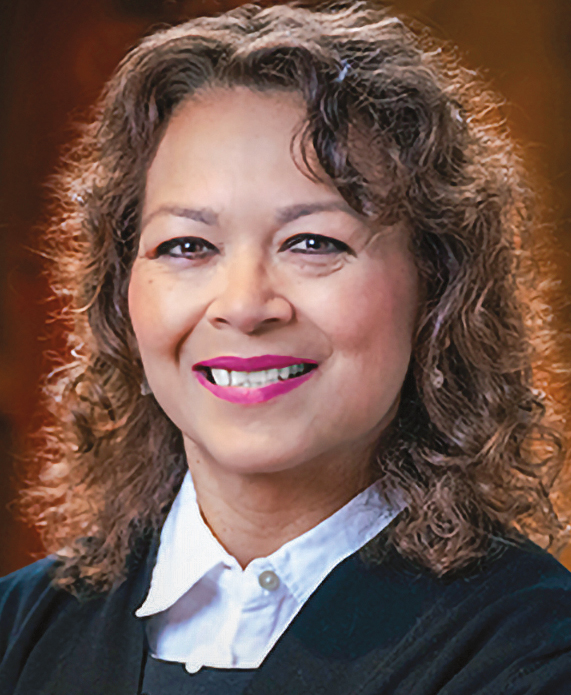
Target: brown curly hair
404	132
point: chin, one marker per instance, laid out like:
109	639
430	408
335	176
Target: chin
252	462
250	456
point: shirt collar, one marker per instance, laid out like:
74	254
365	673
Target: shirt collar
188	550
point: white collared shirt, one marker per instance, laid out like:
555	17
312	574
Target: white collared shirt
208	611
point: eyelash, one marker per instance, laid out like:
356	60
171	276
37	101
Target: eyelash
339	246
167	247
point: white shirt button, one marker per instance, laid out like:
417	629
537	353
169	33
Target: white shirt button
269	580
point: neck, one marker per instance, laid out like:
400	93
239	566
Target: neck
254	514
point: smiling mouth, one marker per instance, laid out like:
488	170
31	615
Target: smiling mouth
254	379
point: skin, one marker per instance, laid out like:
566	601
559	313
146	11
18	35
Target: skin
249	283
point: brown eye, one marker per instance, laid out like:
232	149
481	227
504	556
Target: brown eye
185	247
315	244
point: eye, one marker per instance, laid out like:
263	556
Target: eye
315	244
185	247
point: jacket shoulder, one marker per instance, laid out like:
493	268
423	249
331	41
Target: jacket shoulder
20	594
527	566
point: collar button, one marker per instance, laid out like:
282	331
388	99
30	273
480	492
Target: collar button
269	580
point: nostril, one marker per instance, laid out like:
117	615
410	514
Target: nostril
250	317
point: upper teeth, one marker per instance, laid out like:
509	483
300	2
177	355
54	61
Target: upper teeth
224	377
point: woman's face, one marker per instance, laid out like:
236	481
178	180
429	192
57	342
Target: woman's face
243	256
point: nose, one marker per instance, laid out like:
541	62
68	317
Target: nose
246	297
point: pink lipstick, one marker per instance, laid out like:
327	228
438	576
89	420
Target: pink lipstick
250	395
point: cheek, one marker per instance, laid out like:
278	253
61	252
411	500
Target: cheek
372	337
142	308
158	315
373	316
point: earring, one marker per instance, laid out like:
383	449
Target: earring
145	388
437	378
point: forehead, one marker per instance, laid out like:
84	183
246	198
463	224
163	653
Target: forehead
234	143
230	118
274	104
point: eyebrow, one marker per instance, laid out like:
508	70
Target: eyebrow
283	216
204	215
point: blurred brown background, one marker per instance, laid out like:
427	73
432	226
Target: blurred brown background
55	56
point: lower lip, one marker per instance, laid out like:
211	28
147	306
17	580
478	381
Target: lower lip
238	394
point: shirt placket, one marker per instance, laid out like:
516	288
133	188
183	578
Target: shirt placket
262	598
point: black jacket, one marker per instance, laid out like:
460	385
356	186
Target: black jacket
503	628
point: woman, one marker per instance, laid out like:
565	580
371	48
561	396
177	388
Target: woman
298	446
